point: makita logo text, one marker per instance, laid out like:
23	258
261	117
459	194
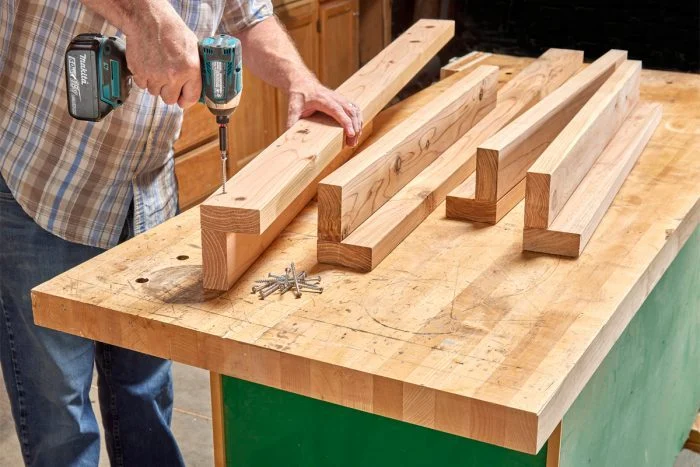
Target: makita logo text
83	70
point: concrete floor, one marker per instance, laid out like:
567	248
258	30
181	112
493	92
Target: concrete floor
191	423
191	420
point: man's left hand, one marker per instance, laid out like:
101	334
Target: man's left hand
311	96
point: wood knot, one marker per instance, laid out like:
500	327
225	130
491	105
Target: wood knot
397	165
481	94
239	198
303	131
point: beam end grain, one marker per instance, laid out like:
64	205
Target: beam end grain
352	256
352	193
555	175
461	203
574	226
503	160
217	250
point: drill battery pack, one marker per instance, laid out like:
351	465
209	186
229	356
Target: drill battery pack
97	77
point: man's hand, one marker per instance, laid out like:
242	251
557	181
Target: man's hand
161	50
310	96
165	60
270	54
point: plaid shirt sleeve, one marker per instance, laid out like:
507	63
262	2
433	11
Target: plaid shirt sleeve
241	14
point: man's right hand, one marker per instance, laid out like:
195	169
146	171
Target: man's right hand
161	50
164	59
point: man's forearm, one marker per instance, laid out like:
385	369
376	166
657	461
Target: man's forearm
129	14
270	54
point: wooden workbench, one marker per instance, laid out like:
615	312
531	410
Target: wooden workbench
457	331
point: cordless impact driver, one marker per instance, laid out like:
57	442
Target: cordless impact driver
98	79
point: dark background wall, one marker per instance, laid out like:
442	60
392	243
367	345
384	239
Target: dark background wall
663	34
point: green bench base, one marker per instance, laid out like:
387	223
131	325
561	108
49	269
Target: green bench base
635	411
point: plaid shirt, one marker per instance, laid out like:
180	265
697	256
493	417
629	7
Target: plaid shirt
77	179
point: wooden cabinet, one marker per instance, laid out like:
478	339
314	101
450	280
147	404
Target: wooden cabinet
326	33
339	48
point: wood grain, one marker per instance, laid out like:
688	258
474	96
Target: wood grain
572	229
502	161
217	417
503	341
468	61
562	166
348	196
266	187
370	243
462	203
693	441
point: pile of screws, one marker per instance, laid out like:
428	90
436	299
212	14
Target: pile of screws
291	280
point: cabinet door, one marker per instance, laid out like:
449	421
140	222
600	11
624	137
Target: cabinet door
375	28
339	46
300	20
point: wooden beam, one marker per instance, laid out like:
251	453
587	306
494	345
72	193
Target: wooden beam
574	226
693	442
217	419
348	196
226	256
387	227
502	161
462	204
265	189
562	166
456	65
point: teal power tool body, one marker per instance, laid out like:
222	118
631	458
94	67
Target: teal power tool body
98	79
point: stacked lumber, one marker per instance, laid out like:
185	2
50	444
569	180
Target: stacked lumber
270	191
570	187
370	242
503	160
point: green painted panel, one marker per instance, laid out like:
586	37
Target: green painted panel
269	427
640	403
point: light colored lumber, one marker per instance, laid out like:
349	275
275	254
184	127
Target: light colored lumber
562	166
573	227
466	62
554	447
262	192
217	419
457	330
372	241
349	195
226	256
502	160
693	441
462	204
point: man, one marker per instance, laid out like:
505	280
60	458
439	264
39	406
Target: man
70	189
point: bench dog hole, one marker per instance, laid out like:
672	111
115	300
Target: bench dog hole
183	257
142	280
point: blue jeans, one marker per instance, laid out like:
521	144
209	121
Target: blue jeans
48	373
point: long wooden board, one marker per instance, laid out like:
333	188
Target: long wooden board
369	244
502	160
348	196
572	229
263	191
457	330
562	166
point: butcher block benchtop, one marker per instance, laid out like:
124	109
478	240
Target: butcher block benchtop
457	330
